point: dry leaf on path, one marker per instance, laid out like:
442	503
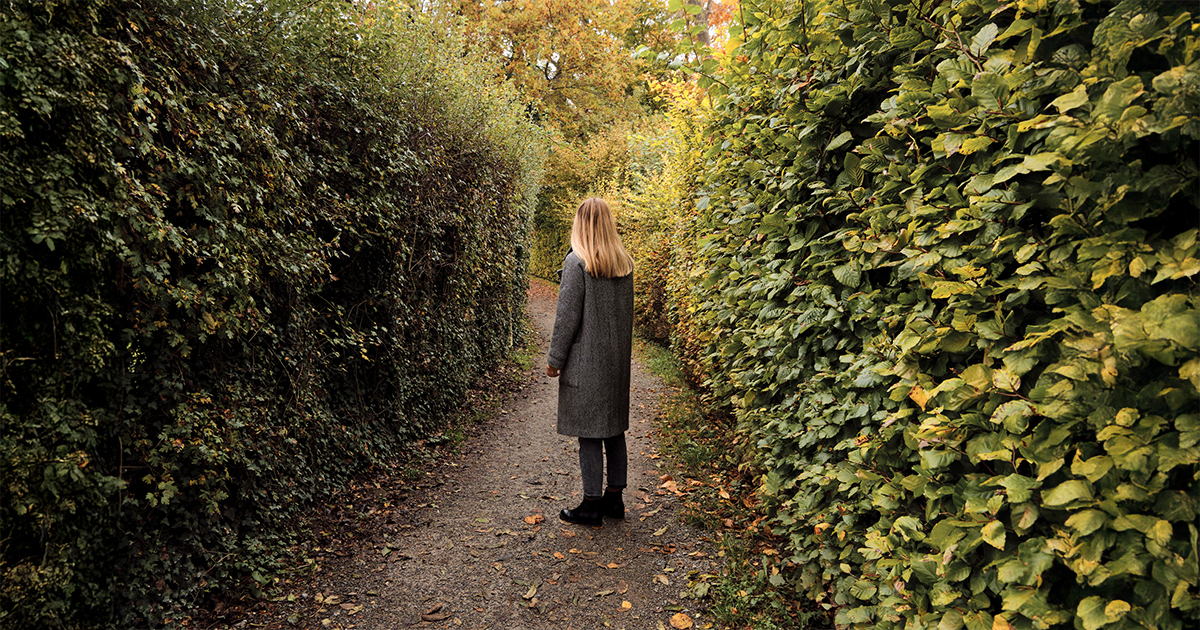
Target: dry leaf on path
534	519
681	621
559	555
532	591
662	579
626	606
433	615
622	587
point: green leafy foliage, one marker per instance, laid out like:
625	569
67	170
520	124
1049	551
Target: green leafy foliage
953	256
247	252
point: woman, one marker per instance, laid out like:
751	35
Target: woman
592	342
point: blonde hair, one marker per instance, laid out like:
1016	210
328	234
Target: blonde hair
594	238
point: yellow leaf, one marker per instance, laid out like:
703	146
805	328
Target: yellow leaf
681	621
919	396
625	606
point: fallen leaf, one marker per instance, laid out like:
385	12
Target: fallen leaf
721	493
681	621
559	555
622	587
625	606
661	531
612	565
605	593
532	591
442	616
534	519
434	608
662	579
727	522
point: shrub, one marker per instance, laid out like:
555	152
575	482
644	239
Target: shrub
239	247
953	252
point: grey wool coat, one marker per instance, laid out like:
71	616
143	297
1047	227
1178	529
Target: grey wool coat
591	345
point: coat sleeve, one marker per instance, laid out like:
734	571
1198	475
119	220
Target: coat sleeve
569	314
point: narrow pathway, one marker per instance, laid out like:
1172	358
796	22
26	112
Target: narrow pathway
479	544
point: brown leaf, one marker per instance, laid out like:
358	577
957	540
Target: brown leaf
662	579
559	555
436	617
626	606
622	587
534	519
681	621
436	607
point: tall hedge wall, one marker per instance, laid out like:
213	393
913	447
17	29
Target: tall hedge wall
246	251
953	301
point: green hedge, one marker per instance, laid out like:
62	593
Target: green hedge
239	245
953	292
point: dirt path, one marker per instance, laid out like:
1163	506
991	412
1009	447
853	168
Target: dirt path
478	545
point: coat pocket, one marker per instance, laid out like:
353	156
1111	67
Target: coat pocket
572	372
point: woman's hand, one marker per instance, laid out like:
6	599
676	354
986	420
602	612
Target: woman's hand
551	371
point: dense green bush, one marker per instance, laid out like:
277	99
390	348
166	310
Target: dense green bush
953	297
239	245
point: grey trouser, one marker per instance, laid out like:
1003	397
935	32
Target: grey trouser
591	464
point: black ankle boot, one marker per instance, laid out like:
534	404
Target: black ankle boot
614	506
588	513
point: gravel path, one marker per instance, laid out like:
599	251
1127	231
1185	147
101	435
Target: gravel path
478	543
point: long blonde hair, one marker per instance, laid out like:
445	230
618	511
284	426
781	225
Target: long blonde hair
594	238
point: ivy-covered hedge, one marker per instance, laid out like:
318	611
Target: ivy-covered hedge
953	301
246	251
